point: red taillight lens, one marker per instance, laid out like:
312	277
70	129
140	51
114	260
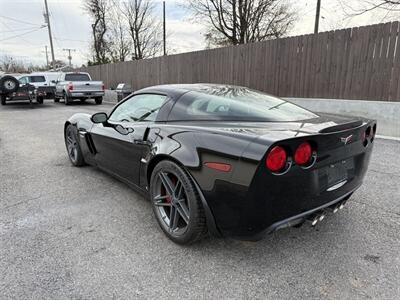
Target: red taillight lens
276	159
303	154
70	86
103	87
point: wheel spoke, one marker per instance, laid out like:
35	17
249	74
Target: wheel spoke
169	186
178	190
158	201
183	210
173	218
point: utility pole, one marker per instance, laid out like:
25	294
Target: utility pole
317	16
164	29
69	55
47	19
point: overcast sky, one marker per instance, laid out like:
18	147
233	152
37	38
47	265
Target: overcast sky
22	37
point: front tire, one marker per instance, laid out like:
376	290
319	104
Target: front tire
176	203
73	148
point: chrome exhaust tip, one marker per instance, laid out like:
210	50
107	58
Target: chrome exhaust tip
332	209
314	218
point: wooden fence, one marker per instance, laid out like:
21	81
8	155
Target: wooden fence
354	63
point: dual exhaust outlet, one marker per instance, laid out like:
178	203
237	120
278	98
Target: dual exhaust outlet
314	218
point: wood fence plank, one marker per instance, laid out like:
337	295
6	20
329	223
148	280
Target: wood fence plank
355	63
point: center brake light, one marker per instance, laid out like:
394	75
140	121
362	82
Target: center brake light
303	154
276	159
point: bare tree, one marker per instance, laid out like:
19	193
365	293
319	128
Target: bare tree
9	64
97	10
233	22
119	41
365	6
144	29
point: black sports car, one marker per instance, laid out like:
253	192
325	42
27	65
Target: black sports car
225	159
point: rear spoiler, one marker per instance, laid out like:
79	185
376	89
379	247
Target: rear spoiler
342	127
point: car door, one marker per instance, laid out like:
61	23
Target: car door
120	142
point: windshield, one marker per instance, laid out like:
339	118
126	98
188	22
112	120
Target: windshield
230	103
77	77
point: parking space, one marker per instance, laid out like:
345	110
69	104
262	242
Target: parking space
78	233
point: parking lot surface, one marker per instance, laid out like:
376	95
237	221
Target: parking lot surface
77	233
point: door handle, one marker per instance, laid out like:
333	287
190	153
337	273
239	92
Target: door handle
140	142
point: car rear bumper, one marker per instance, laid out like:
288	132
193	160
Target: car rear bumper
85	94
304	216
273	202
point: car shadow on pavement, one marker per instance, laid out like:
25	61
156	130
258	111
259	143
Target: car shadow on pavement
78	103
24	105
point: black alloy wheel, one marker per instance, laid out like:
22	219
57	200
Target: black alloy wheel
177	204
74	150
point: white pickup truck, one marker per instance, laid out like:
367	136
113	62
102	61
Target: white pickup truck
78	85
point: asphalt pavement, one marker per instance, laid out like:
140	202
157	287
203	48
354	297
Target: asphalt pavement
77	233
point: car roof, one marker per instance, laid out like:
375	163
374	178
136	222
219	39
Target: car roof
179	89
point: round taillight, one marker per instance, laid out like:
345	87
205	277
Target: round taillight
276	159
303	154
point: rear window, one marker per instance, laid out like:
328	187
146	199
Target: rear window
77	77
37	79
229	103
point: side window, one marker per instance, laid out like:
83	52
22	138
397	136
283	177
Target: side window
138	108
37	79
23	80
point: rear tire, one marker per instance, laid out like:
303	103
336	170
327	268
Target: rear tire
39	100
178	207
67	100
73	148
98	100
3	99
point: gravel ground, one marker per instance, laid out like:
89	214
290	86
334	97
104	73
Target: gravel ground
77	233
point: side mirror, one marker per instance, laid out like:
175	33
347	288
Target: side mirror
100	117
54	81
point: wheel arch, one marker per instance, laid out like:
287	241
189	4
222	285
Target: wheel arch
210	220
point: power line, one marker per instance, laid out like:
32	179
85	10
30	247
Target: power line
73	40
22	34
16	20
16	30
